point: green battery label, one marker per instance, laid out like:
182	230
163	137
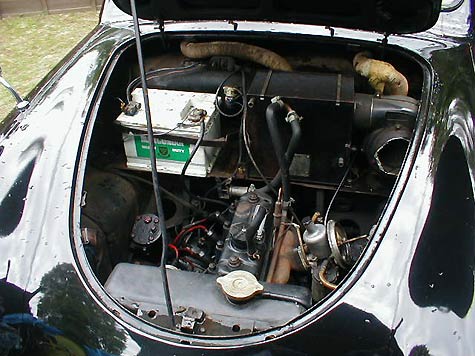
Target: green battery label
164	149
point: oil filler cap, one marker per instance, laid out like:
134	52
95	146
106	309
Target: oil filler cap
240	286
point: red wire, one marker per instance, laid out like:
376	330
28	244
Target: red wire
191	263
173	247
193	228
189	251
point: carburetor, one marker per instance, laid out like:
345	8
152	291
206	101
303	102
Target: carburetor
328	249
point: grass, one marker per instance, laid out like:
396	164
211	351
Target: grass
31	46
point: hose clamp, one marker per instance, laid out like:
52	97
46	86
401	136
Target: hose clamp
291	116
277	99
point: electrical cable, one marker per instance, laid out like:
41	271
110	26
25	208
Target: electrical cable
175	249
172	196
241	107
233	175
187	163
181	123
176	241
173	129
155	179
198	222
246	137
195	148
216	103
240	139
157	73
337	190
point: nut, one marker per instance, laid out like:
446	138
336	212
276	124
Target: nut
234	261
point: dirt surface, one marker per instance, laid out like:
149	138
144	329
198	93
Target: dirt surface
31	46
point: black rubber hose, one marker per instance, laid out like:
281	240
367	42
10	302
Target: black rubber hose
289	155
272	112
251	230
286	298
197	80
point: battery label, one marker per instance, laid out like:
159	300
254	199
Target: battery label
164	149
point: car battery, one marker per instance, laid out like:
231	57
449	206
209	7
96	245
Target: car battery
176	122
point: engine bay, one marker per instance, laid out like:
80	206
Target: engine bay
276	160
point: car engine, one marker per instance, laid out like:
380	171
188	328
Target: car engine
274	170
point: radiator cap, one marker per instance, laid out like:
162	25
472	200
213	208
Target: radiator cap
240	286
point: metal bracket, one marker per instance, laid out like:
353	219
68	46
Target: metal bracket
384	42
21	104
235	24
161	27
332	30
266	84
191	317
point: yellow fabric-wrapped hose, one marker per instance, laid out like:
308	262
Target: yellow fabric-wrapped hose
382	76
239	50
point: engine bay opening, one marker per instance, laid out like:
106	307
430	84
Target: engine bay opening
276	160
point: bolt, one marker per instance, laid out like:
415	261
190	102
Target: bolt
147	219
116	313
155	220
241	171
341	162
230	92
253	197
234	261
180	309
256	256
202	330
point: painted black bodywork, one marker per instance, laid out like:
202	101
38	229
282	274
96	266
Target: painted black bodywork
411	293
405	16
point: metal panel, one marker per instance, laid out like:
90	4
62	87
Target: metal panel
139	288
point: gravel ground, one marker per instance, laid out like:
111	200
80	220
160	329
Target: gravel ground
31	46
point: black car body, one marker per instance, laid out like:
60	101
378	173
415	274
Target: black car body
409	291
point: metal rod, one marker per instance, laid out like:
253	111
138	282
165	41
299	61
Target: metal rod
155	180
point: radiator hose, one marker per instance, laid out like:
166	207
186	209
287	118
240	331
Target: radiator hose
284	159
